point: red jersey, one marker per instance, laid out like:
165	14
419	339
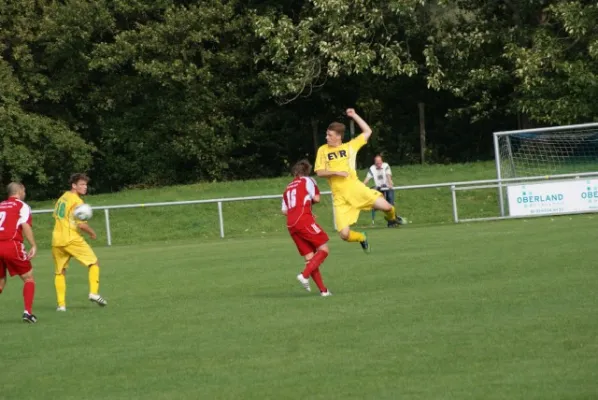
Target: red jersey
297	199
13	214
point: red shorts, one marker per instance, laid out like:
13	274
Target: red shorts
13	258
308	236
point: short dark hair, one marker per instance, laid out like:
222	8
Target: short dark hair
337	127
301	168
75	178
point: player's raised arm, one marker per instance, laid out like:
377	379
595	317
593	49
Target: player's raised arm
366	131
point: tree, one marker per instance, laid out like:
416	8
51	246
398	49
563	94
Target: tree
34	149
535	57
329	39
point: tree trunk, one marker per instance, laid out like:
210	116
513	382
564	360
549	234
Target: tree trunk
314	132
422	132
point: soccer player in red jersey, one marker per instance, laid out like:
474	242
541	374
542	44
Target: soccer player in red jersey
15	222
310	238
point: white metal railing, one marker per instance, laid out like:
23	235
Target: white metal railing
454	186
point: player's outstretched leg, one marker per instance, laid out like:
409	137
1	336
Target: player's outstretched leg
389	212
365	245
349	235
94	285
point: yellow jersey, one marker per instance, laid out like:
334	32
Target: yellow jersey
66	228
340	158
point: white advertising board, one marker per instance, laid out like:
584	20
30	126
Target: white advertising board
556	197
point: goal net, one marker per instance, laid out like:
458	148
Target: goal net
549	151
541	153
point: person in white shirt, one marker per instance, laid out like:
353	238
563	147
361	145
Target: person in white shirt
381	173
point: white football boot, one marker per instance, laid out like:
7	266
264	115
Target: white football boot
304	282
96	298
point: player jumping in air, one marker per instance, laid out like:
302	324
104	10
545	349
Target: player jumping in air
15	222
67	242
336	161
310	238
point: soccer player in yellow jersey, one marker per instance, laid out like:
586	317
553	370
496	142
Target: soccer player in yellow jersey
336	162
68	243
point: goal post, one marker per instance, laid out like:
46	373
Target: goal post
542	152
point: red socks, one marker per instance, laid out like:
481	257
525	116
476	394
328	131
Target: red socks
317	277
28	293
314	263
312	269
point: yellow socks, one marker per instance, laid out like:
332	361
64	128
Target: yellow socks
94	279
390	215
355	237
60	283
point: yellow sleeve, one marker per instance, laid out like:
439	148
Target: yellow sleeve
358	142
73	203
320	160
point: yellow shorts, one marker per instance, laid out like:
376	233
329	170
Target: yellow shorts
350	201
79	250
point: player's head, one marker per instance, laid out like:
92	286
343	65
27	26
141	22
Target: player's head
78	183
378	161
16	189
335	133
301	168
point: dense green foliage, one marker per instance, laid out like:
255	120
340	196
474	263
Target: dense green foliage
164	92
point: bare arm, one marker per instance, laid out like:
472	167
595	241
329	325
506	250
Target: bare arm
283	207
316	198
322	173
28	232
87	229
366	180
365	128
390	180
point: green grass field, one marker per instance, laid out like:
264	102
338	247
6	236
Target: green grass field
502	310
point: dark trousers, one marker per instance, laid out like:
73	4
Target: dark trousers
389	195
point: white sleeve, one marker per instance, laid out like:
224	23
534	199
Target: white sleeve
387	169
284	205
311	187
370	175
24	215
